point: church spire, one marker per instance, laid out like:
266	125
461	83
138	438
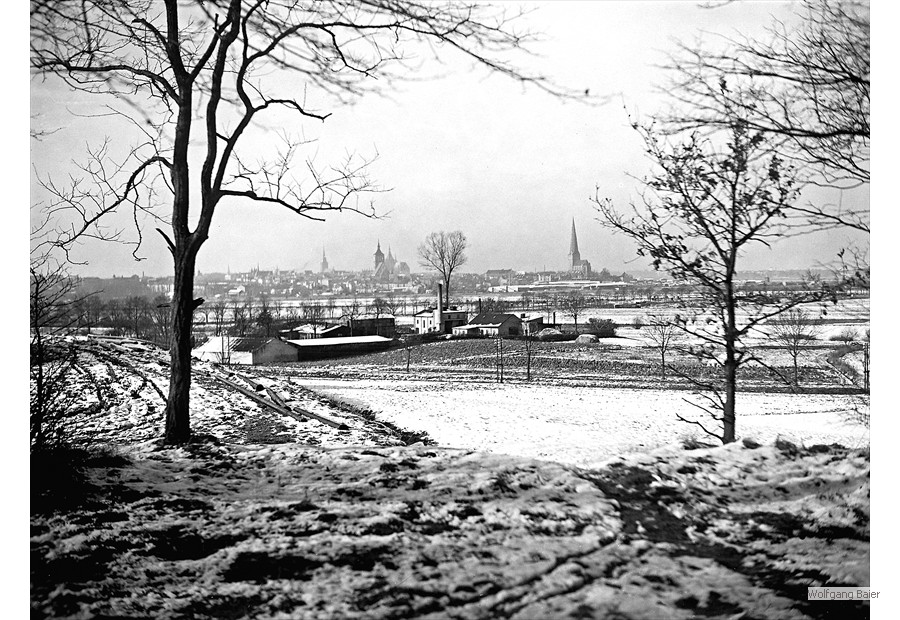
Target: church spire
379	255
324	261
573	245
574	254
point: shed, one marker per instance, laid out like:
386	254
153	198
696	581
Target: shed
373	325
321	348
532	324
238	350
492	324
300	332
336	331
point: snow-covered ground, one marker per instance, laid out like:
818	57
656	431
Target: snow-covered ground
348	523
289	531
580	425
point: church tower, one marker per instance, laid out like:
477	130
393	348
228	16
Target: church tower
576	264
324	262
390	263
574	254
379	256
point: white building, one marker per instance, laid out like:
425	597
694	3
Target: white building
433	320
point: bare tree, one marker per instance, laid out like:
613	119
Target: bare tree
313	312
51	301
394	305
444	252
114	316
331	305
351	311
219	309
277	309
159	318
702	208
493	304
248	307
379	307
197	78
240	319
573	305
264	317
805	87
137	309
529	349
90	310
663	333
794	330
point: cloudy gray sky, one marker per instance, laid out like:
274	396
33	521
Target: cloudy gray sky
509	166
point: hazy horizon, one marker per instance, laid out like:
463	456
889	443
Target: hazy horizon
508	165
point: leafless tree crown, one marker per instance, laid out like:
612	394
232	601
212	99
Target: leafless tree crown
444	252
805	87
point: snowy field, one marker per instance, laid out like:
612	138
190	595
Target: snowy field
266	515
291	531
584	426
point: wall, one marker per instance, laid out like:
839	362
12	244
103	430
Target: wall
274	351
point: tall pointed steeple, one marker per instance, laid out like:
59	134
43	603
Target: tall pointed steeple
379	255
574	254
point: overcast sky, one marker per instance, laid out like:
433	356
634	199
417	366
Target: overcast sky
509	166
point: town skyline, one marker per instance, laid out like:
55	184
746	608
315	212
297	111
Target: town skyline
510	177
557	263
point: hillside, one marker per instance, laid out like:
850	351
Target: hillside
269	517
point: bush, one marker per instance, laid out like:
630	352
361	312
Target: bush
847	334
637	323
602	328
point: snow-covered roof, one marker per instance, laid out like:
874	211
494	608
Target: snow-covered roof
216	344
533	317
492	319
431	311
307	328
328	342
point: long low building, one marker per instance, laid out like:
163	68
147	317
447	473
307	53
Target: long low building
320	348
492	325
246	350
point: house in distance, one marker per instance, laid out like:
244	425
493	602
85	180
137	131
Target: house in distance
440	320
492	325
245	350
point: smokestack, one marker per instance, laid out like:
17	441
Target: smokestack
439	313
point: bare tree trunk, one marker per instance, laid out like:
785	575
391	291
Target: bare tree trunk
178	428
728	435
663	369
728	422
528	346
37	361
